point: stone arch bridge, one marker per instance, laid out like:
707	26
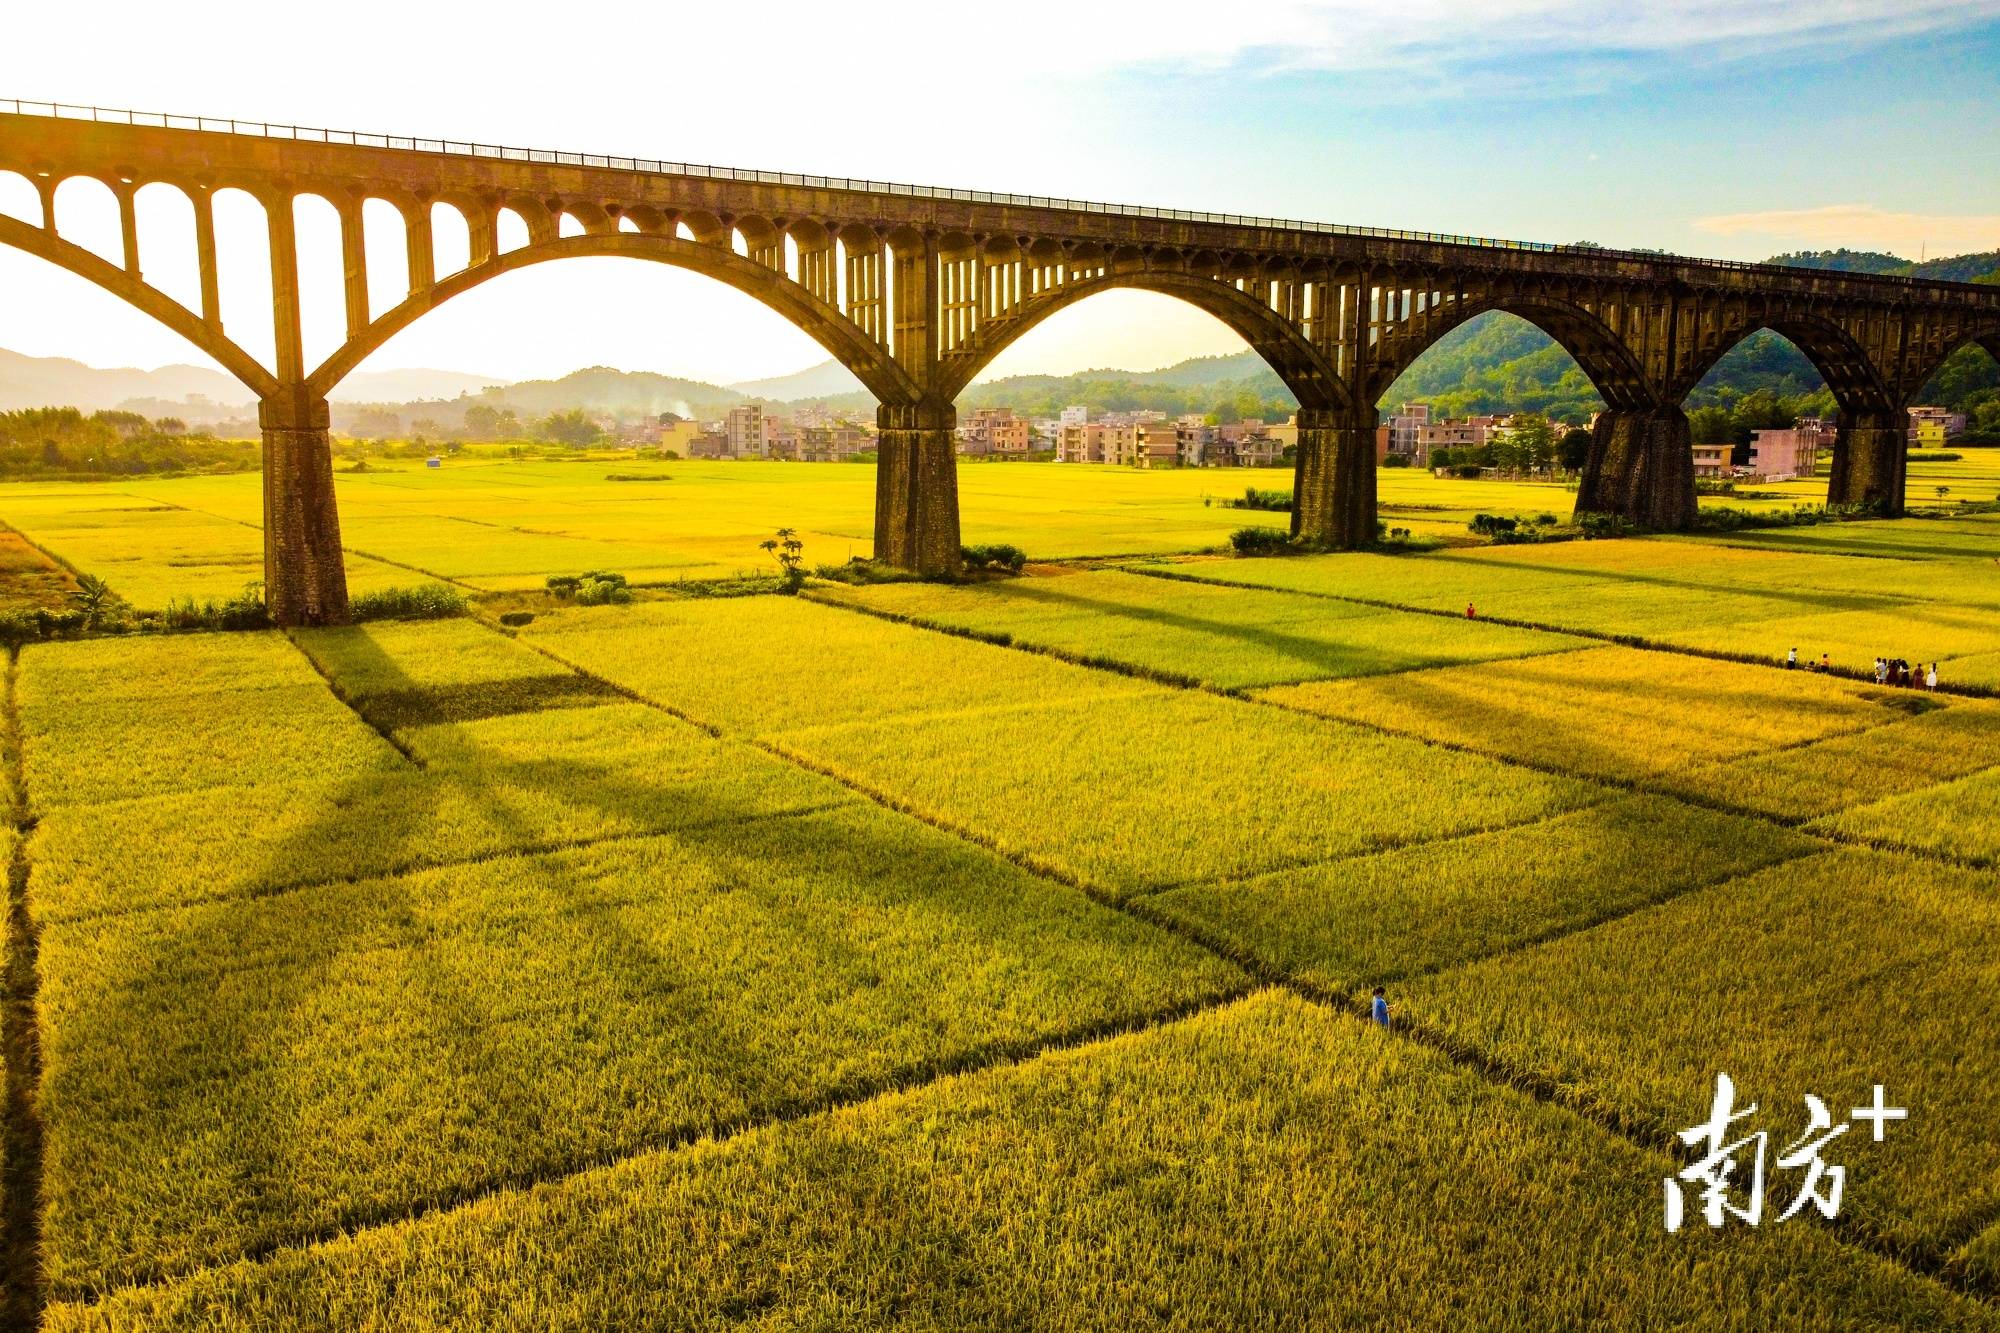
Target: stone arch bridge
915	290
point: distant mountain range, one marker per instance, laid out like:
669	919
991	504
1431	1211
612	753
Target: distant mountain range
1493	363
38	381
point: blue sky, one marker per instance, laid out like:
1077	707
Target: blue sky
1716	127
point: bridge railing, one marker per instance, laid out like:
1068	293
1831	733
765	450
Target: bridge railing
303	134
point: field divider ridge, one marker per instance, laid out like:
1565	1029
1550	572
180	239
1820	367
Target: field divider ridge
396	743
26	1294
1602	636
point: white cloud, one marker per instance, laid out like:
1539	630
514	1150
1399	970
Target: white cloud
1864	227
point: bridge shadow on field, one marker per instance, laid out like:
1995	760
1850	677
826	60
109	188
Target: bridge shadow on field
1306	650
274	1069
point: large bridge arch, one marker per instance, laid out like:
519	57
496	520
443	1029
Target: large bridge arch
1610	365
869	361
1850	373
1302	367
1869	447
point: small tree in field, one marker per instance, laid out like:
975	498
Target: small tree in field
786	548
90	597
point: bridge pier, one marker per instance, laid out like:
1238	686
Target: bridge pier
1640	468
916	487
305	581
1333	483
1870	460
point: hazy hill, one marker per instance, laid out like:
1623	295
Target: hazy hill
623	392
40	381
404	386
828	379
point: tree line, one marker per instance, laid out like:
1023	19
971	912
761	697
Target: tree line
63	442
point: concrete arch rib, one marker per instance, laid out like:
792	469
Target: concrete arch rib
870	362
165	309
1857	383
1604	359
1302	367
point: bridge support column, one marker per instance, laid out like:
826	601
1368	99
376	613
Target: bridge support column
1333	484
1870	460
1640	468
916	487
305	582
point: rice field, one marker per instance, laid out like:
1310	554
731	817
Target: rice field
493	525
1223	637
1263	1164
1826	974
996	955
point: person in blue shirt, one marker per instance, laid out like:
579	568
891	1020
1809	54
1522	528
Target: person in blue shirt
1380	1010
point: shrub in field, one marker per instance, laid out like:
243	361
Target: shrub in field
1253	498
19	627
597	587
90	599
996	557
424	601
1270	1164
860	571
244	611
1261	541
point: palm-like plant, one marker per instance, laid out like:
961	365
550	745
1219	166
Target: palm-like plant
89	597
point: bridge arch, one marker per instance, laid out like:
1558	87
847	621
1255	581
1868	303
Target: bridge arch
1602	356
1302	367
1926	369
1856	383
870	362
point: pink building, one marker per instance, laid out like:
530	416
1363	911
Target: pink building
1777	455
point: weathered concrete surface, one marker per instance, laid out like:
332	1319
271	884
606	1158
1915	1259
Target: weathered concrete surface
305	582
1641	469
1333	482
1870	460
916	488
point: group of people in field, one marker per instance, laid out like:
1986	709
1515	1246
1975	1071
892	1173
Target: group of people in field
1897	671
1888	670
